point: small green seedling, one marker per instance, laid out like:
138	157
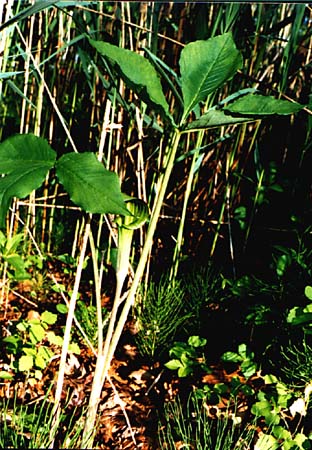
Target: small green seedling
10	254
302	315
272	403
282	439
188	357
244	357
34	344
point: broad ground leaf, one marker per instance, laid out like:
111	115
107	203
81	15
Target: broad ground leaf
205	66
74	348
308	292
300	315
261	105
231	357
26	362
196	341
138	73
36	333
25	161
90	185
48	317
4	375
54	339
267	442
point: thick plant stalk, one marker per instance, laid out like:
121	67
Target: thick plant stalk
105	358
97	384
126	226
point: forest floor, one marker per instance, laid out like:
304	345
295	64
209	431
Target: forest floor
132	400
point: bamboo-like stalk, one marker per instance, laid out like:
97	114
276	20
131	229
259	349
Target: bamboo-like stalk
179	241
54	104
68	328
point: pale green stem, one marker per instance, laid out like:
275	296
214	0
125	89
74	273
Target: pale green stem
124	247
215	239
88	434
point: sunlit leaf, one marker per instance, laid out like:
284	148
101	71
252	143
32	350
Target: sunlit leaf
308	292
26	362
74	348
25	160
261	105
54	339
4	375
197	341
231	357
90	185
138	73
36	333
216	118
173	364
184	371
266	442
62	308
205	66
48	317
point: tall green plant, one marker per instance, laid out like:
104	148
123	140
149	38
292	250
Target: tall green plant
204	67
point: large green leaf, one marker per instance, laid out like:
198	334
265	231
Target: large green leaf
138	73
261	105
206	65
25	161
216	118
90	185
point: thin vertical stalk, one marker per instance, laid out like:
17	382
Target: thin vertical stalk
254	207
97	287
23	124
68	328
56	108
188	190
